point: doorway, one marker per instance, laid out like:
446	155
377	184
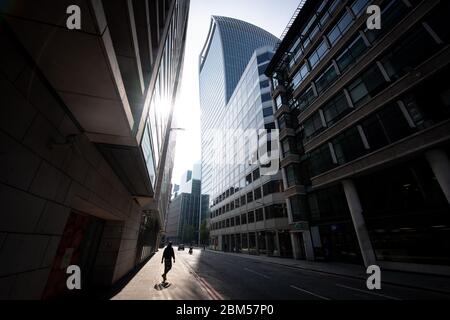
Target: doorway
78	246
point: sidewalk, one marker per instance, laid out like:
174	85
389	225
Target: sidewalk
438	284
146	284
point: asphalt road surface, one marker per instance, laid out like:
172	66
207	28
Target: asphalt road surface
240	278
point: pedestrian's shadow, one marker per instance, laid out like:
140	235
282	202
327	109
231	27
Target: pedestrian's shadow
162	286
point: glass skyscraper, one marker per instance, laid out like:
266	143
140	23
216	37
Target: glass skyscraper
246	208
227	51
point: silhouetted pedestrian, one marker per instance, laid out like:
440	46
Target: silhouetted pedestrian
167	259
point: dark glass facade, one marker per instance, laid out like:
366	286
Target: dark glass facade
372	111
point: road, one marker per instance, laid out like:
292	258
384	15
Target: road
240	278
208	275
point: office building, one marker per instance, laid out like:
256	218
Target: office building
246	208
87	149
365	132
183	219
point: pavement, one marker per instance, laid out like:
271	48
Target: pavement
210	275
182	282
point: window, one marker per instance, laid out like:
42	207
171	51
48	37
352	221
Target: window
340	28
369	84
262	68
285	121
266	97
394	122
228	223
263	57
314	32
249	197
248	179
272	187
335	109
409	53
429	103
301	74
264	84
293	175
328	203
313	126
244	218
305	100
267	112
351	54
317	55
237	203
251	217
334	6
296	52
376	137
298	208
275	81
243	201
289	147
259	215
279	102
326	79
257	193
348	146
359	6
232	222
276	211
256	175
321	160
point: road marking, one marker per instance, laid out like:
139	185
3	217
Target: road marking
368	292
203	283
311	293
259	274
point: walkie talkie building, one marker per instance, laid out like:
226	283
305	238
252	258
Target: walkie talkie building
246	207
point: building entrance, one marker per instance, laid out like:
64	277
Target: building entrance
78	246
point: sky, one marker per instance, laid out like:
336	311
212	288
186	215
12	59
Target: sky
271	15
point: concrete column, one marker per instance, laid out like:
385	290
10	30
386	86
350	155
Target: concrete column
248	242
267	243
355	207
277	244
440	164
309	250
295	245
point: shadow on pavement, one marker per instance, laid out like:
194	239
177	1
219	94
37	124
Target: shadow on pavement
162	286
112	291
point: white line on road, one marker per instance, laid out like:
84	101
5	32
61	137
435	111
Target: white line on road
311	293
259	274
368	292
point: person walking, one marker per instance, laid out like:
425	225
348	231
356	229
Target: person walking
167	257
